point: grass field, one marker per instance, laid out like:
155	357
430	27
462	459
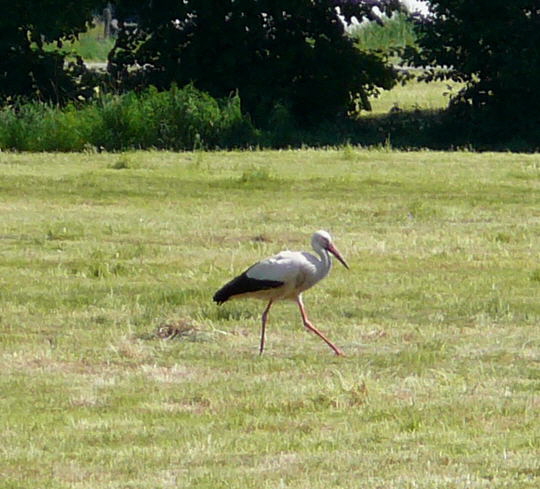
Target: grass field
91	45
104	256
415	95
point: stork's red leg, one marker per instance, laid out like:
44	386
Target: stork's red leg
310	326
263	330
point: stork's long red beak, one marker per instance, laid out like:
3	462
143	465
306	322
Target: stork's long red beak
332	249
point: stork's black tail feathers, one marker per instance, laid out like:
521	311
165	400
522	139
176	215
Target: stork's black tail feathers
243	285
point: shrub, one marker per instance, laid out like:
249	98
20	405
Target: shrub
180	119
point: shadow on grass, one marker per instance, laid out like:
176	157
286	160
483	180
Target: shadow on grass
425	129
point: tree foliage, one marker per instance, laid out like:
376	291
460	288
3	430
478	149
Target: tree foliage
492	46
292	54
26	67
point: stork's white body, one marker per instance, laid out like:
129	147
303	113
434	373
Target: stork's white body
284	277
297	270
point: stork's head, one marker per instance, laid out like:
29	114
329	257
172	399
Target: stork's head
322	240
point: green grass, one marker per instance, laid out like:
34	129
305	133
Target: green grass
415	95
104	255
92	45
396	32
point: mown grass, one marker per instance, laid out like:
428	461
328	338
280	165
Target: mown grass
104	255
92	44
415	96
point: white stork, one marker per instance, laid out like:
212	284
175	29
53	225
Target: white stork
284	277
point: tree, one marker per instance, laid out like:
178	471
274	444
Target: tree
491	46
292	54
27	68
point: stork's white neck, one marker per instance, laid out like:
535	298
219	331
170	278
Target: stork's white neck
325	263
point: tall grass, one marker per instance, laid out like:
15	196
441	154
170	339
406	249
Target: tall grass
36	126
177	119
394	32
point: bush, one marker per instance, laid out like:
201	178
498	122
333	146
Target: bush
38	126
179	119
